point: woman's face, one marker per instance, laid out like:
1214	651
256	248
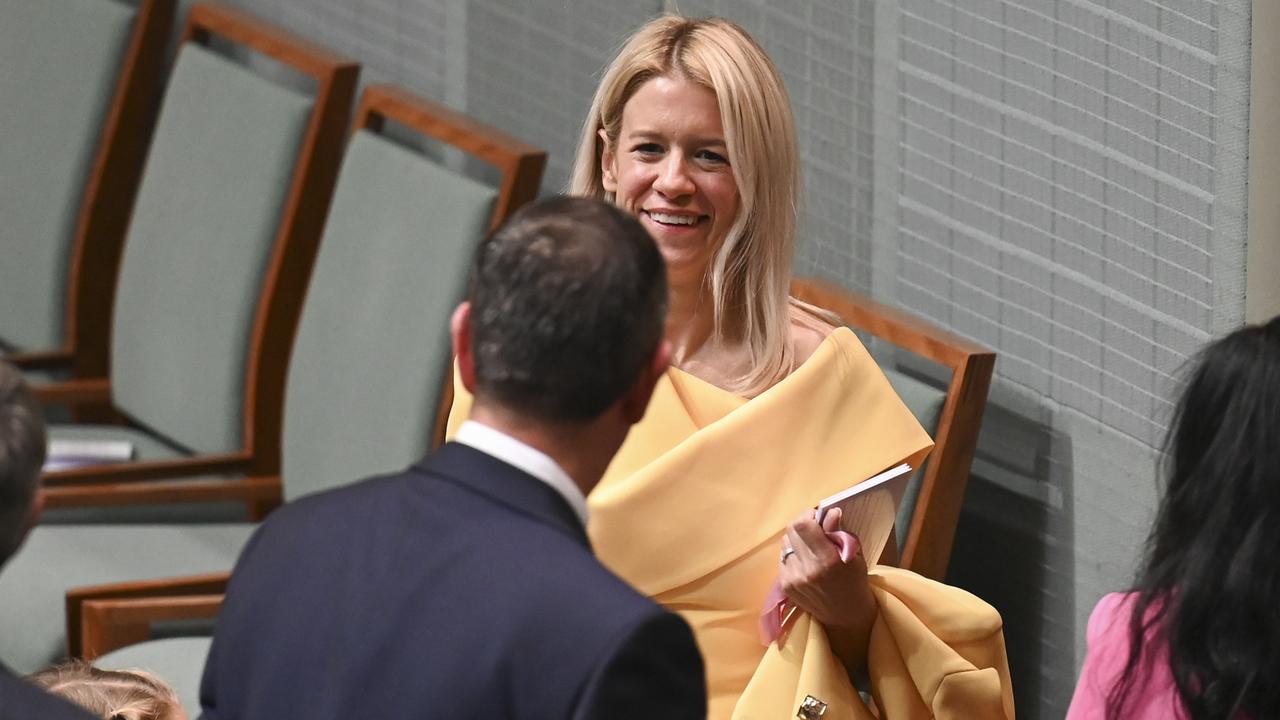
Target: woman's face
670	168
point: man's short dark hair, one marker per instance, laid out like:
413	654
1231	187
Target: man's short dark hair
568	304
22	450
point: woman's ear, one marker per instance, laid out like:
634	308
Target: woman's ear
608	176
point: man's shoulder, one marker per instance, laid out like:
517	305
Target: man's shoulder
20	700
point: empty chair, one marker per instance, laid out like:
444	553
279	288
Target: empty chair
79	84
218	252
364	377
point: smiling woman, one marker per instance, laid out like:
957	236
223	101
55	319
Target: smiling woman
692	121
766	410
670	167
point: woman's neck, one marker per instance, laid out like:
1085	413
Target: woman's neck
690	320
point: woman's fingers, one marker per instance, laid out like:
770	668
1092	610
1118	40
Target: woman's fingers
831	520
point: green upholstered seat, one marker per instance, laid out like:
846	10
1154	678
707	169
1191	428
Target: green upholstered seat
59	61
925	402
182	659
373	341
198	244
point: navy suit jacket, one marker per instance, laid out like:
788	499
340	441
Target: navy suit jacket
462	588
20	700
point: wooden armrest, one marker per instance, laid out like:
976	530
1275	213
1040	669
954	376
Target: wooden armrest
120	473
107	625
155	600
896	326
88	391
45	360
257	490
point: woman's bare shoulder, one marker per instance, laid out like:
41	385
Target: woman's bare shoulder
808	328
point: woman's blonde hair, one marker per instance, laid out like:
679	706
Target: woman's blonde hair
111	694
751	271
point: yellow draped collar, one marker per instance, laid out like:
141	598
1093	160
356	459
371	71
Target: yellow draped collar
707	477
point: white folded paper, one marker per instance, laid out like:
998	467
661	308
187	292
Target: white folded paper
65	454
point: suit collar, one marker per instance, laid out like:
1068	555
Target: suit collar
504	484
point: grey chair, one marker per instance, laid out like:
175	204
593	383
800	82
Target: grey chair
951	412
363	387
218	252
79	85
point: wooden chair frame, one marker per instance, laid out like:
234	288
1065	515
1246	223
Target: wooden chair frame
933	525
521	166
109	192
283	287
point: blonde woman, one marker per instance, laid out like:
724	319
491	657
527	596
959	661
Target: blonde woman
767	407
112	694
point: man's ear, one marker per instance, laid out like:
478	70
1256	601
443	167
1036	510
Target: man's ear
636	401
608	174
33	515
460	331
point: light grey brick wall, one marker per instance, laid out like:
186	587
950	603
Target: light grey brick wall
1062	180
1069	190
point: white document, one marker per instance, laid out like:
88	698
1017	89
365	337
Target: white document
869	509
64	454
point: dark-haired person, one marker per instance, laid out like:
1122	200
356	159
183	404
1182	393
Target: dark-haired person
1199	635
465	587
22	451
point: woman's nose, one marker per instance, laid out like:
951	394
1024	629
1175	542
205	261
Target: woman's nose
673	178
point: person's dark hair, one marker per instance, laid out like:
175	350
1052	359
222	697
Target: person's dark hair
22	451
1208	585
568	302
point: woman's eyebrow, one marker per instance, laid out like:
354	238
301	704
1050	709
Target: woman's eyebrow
645	134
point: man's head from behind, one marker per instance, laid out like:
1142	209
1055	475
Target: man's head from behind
22	451
565	310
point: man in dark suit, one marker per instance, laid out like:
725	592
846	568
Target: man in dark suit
465	586
22	450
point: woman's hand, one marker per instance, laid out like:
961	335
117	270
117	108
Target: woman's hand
834	592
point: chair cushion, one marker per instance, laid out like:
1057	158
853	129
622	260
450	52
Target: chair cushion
199	240
925	402
179	661
59	60
55	558
373	341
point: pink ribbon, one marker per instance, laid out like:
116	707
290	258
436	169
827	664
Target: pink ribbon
775	614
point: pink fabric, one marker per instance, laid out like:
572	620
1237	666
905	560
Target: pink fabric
1153	695
776	611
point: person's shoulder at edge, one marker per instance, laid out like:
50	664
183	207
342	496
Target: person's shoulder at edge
808	329
1111	608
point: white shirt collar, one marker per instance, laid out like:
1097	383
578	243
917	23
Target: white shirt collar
534	462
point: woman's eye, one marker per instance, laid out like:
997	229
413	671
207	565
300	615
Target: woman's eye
648	148
712	157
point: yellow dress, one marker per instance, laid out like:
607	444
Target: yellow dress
692	509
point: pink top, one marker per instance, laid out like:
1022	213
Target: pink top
1153	695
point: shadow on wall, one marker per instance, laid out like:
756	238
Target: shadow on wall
1014	548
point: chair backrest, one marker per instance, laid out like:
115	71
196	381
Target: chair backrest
78	84
952	414
373	342
222	238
